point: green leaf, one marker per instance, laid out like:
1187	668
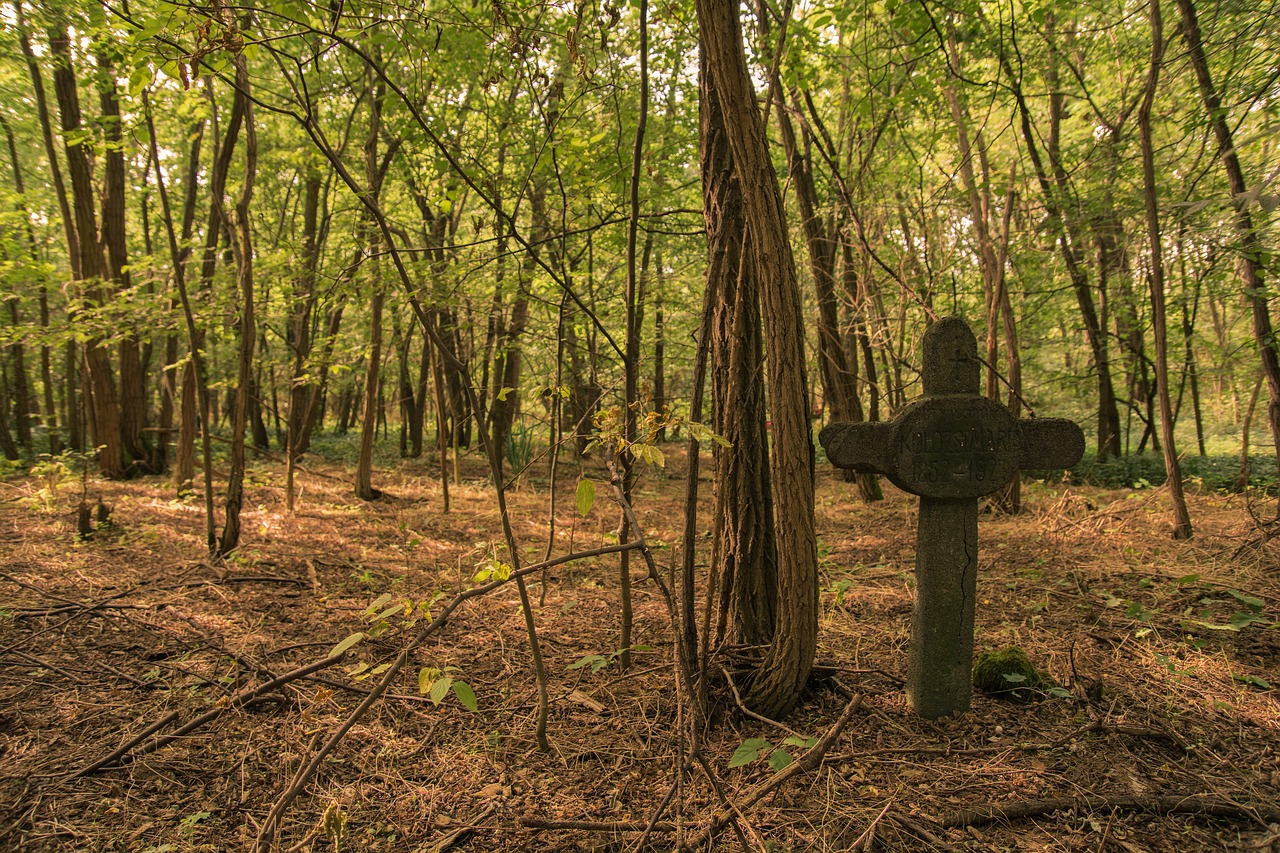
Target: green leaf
594	660
399	607
377	602
702	432
1015	677
502	395
1249	601
586	496
426	676
440	689
1253	681
1243	619
796	740
347	643
779	759
466	696
749	751
649	454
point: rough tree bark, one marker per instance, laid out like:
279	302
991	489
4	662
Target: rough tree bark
782	674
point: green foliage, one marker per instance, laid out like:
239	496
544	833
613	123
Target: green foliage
753	749
436	684
598	662
1212	473
53	473
519	447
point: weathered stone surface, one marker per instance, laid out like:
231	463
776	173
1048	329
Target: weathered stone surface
950	447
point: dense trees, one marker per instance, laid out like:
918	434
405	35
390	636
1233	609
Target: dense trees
274	223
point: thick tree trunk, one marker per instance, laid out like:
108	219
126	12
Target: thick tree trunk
744	552
133	378
104	403
782	675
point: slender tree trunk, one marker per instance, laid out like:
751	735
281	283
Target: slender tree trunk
242	246
304	390
364	461
372	383
22	398
660	347
1242	474
1159	322
195	390
50	148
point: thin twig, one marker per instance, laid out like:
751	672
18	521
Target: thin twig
868	835
245	697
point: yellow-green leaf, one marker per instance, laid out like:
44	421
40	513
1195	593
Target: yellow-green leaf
586	496
347	643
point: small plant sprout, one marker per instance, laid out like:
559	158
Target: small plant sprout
598	662
753	749
436	684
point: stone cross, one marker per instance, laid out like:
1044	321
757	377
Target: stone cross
950	447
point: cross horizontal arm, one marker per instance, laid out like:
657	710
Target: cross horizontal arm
862	447
1050	443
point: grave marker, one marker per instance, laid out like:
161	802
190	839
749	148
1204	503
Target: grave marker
949	447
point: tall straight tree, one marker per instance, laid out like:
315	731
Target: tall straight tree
103	394
781	676
1159	322
242	249
375	171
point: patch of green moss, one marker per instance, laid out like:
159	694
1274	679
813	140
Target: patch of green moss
1009	674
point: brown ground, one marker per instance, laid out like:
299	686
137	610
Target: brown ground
99	639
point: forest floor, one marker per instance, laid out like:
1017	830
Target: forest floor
1163	733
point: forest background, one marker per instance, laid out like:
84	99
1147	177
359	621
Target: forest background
467	231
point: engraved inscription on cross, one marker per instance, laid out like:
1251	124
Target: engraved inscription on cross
949	447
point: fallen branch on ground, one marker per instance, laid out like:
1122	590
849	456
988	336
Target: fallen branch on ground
1193	804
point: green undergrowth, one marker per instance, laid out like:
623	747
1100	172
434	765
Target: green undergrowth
1217	473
